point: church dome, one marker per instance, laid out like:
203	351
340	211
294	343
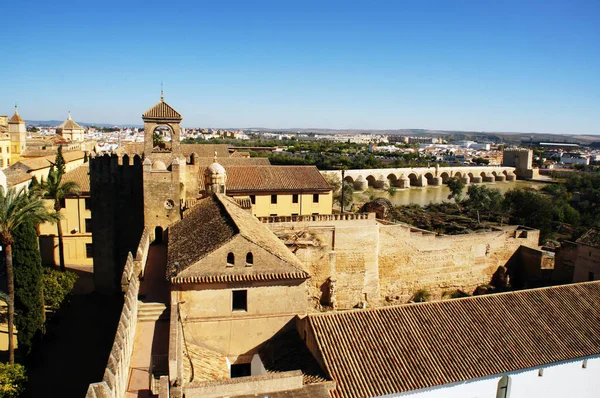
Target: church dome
216	168
159	165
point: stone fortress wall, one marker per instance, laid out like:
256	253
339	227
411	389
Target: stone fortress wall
116	374
379	263
117	215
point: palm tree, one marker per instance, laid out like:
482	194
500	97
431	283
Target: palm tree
56	190
15	207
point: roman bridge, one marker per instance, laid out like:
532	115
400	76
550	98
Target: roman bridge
422	176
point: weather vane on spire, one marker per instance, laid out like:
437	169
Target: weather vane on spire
162	91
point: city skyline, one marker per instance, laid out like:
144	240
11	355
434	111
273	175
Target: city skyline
446	66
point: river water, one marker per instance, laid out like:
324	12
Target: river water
431	194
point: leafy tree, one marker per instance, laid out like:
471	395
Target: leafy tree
15	209
59	162
530	208
456	186
57	287
483	198
12	380
28	285
157	139
56	190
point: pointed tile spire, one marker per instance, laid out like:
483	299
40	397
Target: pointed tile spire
16	117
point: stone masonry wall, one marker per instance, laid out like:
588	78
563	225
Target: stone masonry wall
384	264
116	374
117	215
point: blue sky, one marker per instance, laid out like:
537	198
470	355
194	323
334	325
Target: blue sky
528	66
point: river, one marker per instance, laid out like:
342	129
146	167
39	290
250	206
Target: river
431	194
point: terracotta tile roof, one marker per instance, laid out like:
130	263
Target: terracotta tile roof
207	161
204	364
240	154
286	351
206	151
16	118
275	178
403	348
161	110
69	124
43	162
80	175
212	223
16	176
590	238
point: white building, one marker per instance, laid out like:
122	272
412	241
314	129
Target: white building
574	158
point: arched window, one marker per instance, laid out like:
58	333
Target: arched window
249	259
230	259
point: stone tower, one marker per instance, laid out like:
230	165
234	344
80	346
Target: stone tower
164	169
162	117
18	136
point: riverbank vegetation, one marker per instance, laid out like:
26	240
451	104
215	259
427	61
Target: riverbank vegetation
561	211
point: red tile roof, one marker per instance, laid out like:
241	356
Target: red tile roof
81	176
161	110
410	347
590	238
242	179
214	222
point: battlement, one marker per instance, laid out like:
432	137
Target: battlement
318	218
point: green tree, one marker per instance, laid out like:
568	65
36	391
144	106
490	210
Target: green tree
57	287
15	209
57	190
12	380
483	198
157	139
456	186
27	264
59	162
531	209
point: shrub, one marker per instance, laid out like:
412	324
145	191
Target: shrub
12	380
57	287
421	296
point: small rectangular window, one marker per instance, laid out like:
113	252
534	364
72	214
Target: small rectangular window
273	199
295	198
240	370
253	199
88	250
316	198
88	203
591	276
63	203
239	301
88	225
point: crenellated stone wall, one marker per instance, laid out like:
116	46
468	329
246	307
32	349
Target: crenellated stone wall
116	374
367	262
117	217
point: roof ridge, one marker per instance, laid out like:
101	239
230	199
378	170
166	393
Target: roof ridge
249	237
521	292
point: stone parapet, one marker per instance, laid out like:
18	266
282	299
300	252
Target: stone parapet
316	218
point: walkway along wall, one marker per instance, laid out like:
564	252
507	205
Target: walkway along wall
362	261
116	374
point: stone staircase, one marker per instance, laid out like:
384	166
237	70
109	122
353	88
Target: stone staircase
152	312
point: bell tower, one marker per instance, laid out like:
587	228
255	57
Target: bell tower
163	120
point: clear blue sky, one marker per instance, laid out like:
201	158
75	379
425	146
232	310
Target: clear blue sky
529	66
